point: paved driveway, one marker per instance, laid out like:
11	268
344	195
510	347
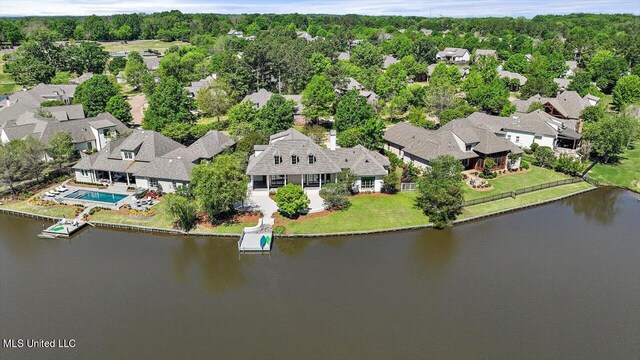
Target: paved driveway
316	204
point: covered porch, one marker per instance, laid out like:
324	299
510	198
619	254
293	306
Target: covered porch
268	182
112	178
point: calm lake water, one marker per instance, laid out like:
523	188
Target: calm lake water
560	281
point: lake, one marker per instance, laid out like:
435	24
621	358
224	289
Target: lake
558	281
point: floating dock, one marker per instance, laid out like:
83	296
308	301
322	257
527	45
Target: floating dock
63	228
258	241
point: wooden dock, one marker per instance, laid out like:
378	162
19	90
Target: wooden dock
63	228
258	241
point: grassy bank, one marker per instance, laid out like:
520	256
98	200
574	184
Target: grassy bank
140	45
625	173
378	212
506	183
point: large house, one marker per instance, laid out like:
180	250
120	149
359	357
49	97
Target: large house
260	98
485	52
567	105
148	160
195	86
520	79
472	145
454	55
293	158
41	93
353	84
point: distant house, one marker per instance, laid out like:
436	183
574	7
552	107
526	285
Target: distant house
483	52
426	32
195	86
293	158
454	55
521	79
236	33
385	36
305	35
82	78
355	42
567	105
388	61
152	62
41	93
529	57
149	160
573	68
472	145
563	84
344	56
260	98
353	84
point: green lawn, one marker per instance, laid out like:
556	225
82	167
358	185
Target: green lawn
378	212
506	183
524	199
7	84
58	211
626	173
140	45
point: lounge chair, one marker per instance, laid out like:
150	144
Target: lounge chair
61	189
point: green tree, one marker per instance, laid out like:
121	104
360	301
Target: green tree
541	84
61	149
319	64
291	200
606	68
440	194
117	64
219	185
318	98
626	91
277	114
544	156
569	165
593	113
391	181
168	104
11	163
392	81
135	71
581	83
610	136
441	96
366	55
215	99
413	68
61	78
517	63
94	93
242	118
347	179
35	61
90	57
335	197
119	108
352	111
536	105
184	211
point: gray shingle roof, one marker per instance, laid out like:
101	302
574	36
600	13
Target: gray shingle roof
569	103
388	61
210	145
512	75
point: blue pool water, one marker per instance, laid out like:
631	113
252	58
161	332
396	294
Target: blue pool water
97	196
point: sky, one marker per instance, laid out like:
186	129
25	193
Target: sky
453	8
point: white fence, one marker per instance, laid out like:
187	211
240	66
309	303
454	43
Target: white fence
407	186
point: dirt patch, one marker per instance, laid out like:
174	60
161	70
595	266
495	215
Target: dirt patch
243	218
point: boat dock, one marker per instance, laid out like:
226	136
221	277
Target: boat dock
256	239
63	228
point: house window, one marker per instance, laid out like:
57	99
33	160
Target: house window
153	182
295	159
84	172
509	137
517	139
277	159
312	159
468	147
127	155
367	182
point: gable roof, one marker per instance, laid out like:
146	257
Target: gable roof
568	104
388	61
512	75
261	97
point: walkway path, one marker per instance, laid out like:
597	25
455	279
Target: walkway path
261	201
316	204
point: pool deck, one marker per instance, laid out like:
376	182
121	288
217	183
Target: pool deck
129	200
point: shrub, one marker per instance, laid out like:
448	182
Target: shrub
524	165
335	196
279	230
534	146
544	156
391	182
183	210
488	165
568	165
291	200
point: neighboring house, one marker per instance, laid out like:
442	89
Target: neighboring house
573	68
454	55
567	105
152	62
385	36
82	78
86	133
292	158
472	145
305	35
388	61
149	160
563	84
121	78
483	52
260	98
355	42
464	71
195	86
41	93
511	76
353	84
236	33
426	32
344	56
529	57
525	129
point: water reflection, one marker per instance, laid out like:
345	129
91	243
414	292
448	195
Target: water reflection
600	206
215	260
432	251
21	237
292	247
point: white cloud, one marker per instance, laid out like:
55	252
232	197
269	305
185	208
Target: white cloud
457	8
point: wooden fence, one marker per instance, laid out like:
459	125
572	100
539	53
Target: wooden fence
515	193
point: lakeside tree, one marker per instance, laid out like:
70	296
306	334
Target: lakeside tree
626	91
440	191
11	165
61	149
277	114
33	158
119	108
94	94
168	104
219	185
291	200
611	136
335	196
183	209
318	98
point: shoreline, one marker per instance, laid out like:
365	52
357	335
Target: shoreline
175	232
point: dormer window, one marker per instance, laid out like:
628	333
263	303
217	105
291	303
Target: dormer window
468	147
295	159
127	155
312	159
277	159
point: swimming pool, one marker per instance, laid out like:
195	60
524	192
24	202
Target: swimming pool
96	196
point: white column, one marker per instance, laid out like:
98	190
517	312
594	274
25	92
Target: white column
251	182
285	180
302	180
320	181
128	183
268	182
110	181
